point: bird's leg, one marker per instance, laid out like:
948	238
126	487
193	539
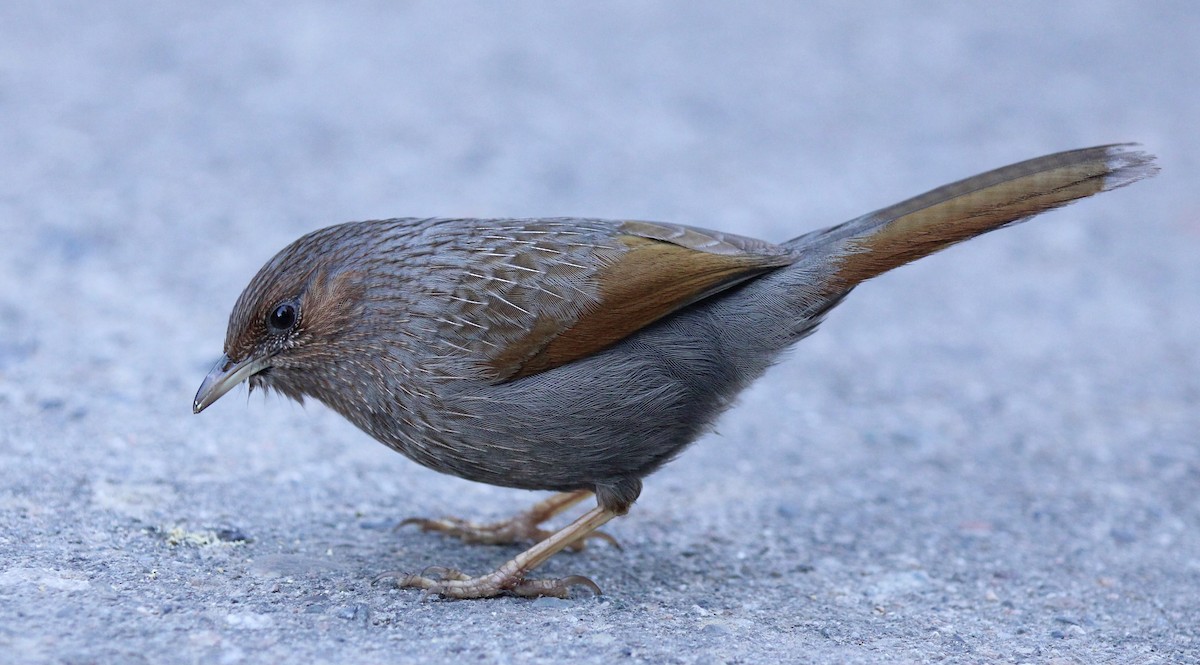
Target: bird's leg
510	577
521	528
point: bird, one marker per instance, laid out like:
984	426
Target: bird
578	355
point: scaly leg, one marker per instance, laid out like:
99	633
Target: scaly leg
521	528
510	577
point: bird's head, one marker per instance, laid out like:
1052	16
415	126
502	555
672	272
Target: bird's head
291	320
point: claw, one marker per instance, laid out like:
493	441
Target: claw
428	524
444	573
550	587
399	579
580	544
420	521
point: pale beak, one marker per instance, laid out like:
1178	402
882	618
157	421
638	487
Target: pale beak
223	377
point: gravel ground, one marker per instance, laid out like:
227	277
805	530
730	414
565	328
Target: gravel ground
989	456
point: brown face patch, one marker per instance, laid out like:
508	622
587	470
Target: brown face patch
327	302
331	303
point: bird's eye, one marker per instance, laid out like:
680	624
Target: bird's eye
283	317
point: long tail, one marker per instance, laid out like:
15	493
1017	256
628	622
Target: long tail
890	237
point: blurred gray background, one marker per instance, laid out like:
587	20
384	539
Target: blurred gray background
989	456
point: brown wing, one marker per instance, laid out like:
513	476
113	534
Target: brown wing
641	272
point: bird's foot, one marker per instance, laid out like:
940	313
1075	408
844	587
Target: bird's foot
510	577
507	580
521	528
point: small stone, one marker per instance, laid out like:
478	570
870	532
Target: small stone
232	535
352	612
603	639
249	620
1123	536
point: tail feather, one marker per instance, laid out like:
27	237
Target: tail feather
906	231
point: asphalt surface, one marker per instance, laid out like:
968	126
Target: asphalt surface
989	456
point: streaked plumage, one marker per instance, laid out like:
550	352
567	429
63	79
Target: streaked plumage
581	354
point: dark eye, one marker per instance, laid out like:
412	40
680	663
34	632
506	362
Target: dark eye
283	317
